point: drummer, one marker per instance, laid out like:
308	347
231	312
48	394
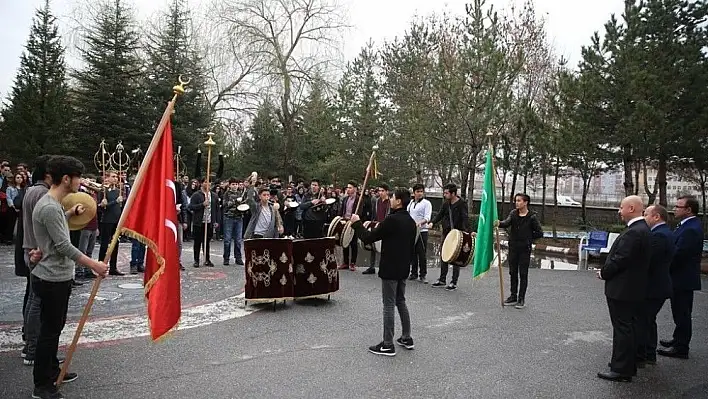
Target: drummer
453	215
347	208
380	208
314	211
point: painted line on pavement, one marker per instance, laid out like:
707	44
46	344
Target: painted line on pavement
114	329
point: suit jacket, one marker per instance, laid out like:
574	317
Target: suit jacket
626	269
364	212
686	266
662	252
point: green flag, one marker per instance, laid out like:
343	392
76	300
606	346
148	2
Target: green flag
484	243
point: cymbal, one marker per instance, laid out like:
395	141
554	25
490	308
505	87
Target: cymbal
78	222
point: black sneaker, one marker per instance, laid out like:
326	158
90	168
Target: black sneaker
510	301
208	264
181	266
406	343
68	377
423	280
23	354
451	287
133	270
382	349
520	304
28	362
196	264
226	262
412	277
370	270
438	284
239	262
41	393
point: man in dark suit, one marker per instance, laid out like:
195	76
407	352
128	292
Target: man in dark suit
685	275
347	208
625	275
658	283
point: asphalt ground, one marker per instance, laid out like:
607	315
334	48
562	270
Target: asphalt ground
466	346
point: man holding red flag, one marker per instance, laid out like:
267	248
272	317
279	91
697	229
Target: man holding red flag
157	230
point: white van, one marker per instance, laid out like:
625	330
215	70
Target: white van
567	201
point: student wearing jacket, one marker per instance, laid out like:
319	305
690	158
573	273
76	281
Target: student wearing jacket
205	207
397	233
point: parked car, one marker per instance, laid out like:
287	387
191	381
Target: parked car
567	201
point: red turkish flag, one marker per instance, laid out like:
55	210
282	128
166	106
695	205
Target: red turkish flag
152	220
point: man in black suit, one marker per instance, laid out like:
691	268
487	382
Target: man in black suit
625	275
658	283
685	275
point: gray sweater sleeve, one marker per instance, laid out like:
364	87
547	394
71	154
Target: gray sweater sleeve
55	221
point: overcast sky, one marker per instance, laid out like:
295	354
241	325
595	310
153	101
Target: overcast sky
570	23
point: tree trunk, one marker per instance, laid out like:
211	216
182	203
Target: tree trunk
470	190
637	169
661	179
587	178
555	199
650	193
627	163
543	198
526	178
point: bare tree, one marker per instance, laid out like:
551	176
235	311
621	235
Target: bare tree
290	44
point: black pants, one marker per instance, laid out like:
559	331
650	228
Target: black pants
623	315
107	230
353	250
420	261
53	307
312	229
198	230
289	224
681	309
519	259
646	329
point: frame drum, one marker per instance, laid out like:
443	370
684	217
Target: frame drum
376	246
341	230
458	248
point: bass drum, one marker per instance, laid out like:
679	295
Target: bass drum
376	246
341	230
458	248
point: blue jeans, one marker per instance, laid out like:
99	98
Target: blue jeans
137	254
233	230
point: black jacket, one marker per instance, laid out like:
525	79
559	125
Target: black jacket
397	234
626	268
196	205
686	266
662	251
313	213
111	213
460	216
523	230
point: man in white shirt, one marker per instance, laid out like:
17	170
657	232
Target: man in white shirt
421	210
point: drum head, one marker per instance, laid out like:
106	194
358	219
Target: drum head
243	208
292	204
333	225
347	235
451	246
330	201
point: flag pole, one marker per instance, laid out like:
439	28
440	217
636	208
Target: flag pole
179	89
496	228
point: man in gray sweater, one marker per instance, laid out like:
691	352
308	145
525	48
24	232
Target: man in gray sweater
54	271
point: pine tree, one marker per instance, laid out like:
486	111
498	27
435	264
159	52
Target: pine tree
110	101
263	149
172	53
37	111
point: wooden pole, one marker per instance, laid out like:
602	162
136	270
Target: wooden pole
496	229
366	179
209	143
179	89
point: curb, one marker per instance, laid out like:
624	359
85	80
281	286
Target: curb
547	248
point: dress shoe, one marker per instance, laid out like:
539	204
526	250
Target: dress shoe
633	374
673	352
115	273
666	343
613	376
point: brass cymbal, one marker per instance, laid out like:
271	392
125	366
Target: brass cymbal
78	222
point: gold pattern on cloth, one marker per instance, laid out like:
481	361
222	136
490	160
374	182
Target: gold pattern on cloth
283	258
300	269
466	248
312	279
263	260
330	257
283	280
309	258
